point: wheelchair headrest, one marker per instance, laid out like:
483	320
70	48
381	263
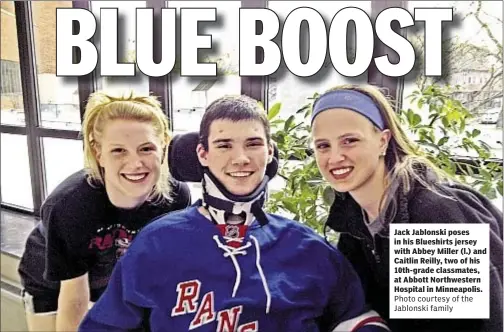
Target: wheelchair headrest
184	163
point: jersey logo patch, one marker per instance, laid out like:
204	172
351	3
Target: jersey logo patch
232	231
233	234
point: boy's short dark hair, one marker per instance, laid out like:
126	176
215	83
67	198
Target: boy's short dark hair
234	108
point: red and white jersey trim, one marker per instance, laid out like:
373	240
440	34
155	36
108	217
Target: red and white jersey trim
368	318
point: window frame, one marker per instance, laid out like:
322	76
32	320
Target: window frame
255	87
33	130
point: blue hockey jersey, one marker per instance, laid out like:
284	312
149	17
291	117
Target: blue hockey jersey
182	273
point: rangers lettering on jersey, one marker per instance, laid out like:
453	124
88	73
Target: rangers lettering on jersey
188	302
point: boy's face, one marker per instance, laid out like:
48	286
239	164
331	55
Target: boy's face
237	155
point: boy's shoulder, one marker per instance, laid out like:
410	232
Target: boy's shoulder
165	234
178	219
294	227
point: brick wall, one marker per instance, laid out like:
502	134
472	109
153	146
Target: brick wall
9	46
44	21
44	29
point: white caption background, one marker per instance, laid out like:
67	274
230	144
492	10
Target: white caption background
439	271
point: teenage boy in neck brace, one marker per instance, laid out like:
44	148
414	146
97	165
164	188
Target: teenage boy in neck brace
224	264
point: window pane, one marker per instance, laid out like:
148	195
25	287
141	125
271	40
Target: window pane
62	158
126	47
16	184
192	95
59	96
293	91
10	83
472	66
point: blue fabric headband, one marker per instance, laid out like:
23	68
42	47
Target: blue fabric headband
352	100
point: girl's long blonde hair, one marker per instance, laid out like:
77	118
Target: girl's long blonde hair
102	108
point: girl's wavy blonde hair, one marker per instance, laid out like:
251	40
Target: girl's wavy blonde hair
102	108
404	161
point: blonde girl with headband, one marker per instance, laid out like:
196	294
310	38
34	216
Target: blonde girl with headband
90	219
379	179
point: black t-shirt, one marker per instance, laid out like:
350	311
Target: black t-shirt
81	231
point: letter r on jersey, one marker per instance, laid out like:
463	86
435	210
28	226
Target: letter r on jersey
187	299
